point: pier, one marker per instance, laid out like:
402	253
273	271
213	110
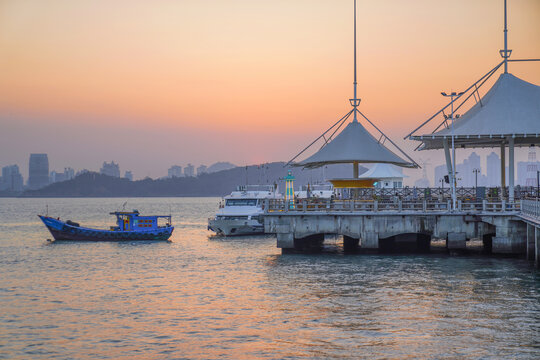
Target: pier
371	218
384	223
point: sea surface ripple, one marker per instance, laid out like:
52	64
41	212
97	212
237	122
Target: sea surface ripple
202	297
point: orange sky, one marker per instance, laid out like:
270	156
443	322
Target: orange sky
241	80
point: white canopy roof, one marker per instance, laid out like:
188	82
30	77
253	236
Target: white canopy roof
382	171
353	144
510	108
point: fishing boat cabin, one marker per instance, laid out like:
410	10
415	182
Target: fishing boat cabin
132	221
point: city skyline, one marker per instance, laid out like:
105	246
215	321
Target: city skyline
487	161
40	174
267	93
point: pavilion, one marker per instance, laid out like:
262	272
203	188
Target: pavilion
354	144
507	116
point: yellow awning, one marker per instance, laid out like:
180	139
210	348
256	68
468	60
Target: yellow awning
353	183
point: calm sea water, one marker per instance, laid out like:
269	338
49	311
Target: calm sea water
201	297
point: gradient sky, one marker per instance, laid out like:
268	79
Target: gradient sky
150	84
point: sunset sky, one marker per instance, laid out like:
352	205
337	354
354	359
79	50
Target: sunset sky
150	84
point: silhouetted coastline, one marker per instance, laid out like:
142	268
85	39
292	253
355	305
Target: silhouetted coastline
220	183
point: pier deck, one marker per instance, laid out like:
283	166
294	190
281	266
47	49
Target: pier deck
505	227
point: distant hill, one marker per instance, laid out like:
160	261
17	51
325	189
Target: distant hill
220	166
220	183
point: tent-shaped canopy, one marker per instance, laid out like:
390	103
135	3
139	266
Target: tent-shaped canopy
382	171
353	144
511	108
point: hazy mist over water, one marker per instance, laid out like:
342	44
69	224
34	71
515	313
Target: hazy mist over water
239	298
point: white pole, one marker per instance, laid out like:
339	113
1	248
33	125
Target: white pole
453	156
511	168
503	170
505	42
355	103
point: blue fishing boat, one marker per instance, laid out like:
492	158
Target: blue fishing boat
130	226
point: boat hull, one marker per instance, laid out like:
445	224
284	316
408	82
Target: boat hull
62	231
235	227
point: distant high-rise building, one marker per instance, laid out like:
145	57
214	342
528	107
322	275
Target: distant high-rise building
83	171
56	177
189	170
68	174
110	169
532	168
493	169
38	170
12	179
202	170
465	171
471	177
174	171
128	175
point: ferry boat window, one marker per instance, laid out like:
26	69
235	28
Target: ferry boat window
241	202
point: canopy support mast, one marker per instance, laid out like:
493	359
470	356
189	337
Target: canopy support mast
505	54
355	101
511	169
503	170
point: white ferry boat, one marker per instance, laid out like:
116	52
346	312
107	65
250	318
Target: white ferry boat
321	191
240	213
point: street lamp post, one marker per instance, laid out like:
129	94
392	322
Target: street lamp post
454	197
537	182
476	171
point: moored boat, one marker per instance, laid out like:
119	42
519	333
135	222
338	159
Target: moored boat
242	210
130	226
319	191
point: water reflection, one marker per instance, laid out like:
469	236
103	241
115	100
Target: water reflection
428	304
201	297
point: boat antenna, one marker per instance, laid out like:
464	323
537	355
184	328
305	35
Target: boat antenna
124	206
355	101
47	210
505	54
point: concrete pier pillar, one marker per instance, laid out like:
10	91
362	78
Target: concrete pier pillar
285	240
531	241
370	240
511	238
456	241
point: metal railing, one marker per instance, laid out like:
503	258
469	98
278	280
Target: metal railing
531	208
397	205
439	194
